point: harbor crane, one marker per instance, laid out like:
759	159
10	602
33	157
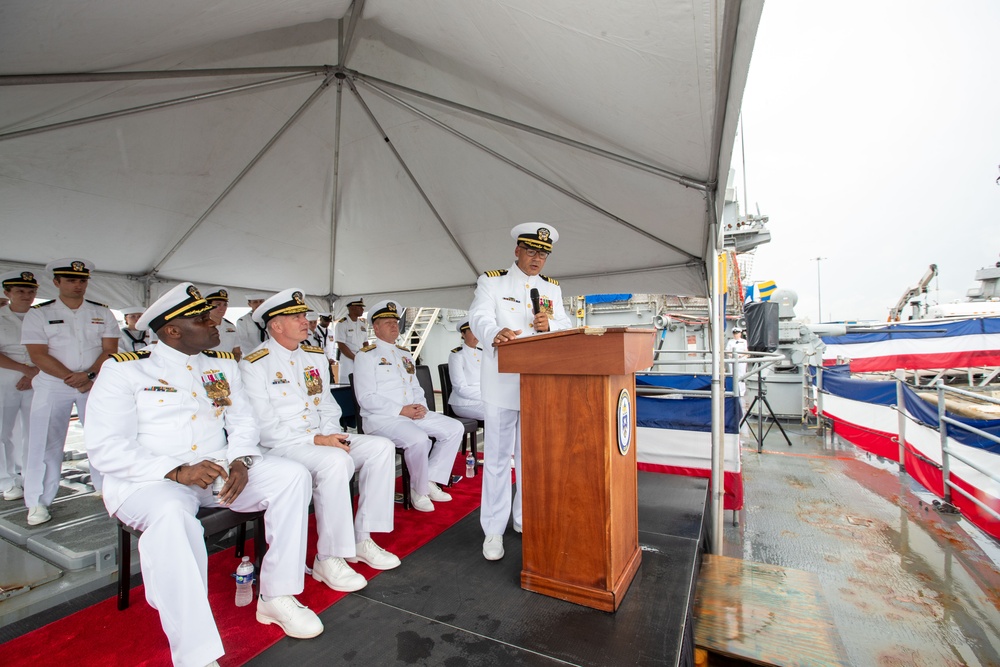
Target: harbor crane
913	292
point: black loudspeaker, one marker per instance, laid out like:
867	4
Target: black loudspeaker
762	326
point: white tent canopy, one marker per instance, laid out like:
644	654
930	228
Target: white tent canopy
368	148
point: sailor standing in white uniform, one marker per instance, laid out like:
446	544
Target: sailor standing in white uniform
502	310
130	338
393	405
249	333
16	374
734	347
350	335
164	423
68	339
288	385
464	369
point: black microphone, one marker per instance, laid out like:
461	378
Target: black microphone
535	308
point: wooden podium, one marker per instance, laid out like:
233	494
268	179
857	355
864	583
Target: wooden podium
580	521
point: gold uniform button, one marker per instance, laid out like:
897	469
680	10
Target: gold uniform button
190	369
194	447
161	400
195	394
193	417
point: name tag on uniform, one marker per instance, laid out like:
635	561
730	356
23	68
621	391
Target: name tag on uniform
510	298
158	388
57	321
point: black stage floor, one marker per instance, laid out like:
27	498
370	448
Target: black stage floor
447	605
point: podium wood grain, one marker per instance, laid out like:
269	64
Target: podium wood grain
580	521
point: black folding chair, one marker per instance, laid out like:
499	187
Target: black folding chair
472	426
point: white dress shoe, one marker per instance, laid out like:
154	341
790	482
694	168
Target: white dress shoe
421	503
290	615
374	556
436	494
13	493
338	575
493	547
37	515
517	528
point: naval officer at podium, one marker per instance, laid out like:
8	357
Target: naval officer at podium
510	303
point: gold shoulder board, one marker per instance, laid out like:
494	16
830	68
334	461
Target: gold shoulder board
311	348
496	274
457	349
131	356
219	355
368	348
548	280
259	354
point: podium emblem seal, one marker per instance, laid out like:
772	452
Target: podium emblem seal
624	421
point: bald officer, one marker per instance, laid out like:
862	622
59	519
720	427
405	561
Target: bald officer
131	339
350	335
502	310
68	339
218	299
464	369
392	404
249	333
166	422
16	374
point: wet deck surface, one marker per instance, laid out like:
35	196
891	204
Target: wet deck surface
905	585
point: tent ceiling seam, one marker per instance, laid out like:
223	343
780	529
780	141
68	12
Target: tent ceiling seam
344	52
152	107
686	181
413	179
525	170
260	154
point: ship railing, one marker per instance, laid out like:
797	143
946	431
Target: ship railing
755	363
947	453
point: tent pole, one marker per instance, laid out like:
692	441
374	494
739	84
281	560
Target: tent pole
537	177
717	287
295	116
413	179
686	181
152	107
334	203
93	77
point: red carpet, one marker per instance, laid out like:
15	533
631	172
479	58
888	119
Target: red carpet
101	635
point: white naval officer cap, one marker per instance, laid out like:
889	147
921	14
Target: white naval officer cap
256	296
217	294
536	235
312	316
70	267
181	301
285	302
133	310
18	279
388	308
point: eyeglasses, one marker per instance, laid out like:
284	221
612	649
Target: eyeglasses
532	252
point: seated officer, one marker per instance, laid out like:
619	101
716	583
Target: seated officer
392	405
464	366
162	425
287	382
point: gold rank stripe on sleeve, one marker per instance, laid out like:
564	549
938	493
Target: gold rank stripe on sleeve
219	355
131	356
495	274
548	280
95	303
368	348
312	348
258	355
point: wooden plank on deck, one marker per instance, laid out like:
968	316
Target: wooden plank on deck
764	614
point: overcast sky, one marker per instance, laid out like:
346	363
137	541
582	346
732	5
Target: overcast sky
872	138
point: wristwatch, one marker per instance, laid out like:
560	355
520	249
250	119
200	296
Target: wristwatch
246	460
91	375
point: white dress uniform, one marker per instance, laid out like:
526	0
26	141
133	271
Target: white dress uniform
228	338
74	338
464	368
153	411
15	406
249	334
503	300
353	334
291	400
734	347
131	340
385	380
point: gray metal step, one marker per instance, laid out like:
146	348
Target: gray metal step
71	508
22	571
86	543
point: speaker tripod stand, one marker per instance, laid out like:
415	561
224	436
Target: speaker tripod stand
760	400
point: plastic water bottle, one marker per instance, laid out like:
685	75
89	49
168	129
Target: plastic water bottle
244	582
470	465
